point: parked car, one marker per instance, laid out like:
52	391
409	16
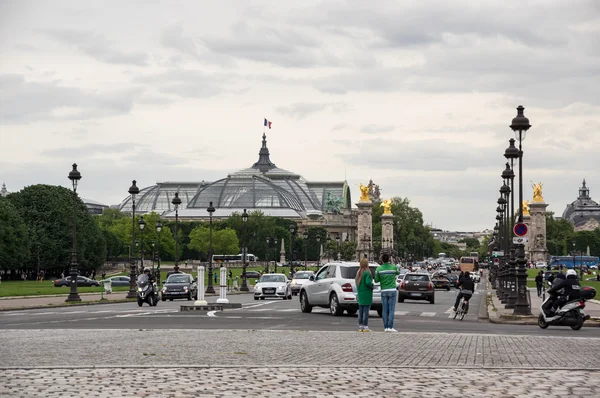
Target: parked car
117	280
179	286
333	287
541	265
273	285
252	274
300	278
82	281
416	286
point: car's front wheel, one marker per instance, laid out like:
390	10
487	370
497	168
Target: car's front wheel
334	305
304	305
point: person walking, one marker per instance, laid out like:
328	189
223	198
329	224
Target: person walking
364	288
386	275
539	283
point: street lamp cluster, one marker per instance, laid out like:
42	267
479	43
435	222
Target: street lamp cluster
508	272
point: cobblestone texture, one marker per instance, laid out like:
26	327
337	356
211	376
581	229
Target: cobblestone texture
28	348
302	382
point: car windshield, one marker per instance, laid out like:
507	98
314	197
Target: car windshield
302	275
178	279
350	272
417	278
272	278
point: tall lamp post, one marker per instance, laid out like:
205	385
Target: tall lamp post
153	244
74	176
176	202
520	125
305	236
210	209
292	228
133	191
318	238
142	225
159	230
244	287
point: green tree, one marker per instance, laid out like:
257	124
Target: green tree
225	241
14	242
558	233
48	214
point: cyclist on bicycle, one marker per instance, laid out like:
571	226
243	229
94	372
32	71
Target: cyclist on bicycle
466	286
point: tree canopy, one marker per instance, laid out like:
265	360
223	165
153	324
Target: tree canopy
14	242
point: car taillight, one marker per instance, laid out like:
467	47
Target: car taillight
56	281
346	287
430	286
402	285
582	304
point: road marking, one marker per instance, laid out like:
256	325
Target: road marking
211	313
261	309
289	310
449	311
401	313
428	314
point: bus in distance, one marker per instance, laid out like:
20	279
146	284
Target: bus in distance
233	258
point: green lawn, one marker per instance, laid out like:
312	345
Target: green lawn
531	274
35	288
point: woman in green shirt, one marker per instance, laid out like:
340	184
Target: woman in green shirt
364	288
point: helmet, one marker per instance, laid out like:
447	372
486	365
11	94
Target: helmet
146	269
571	272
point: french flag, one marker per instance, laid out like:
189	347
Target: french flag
268	124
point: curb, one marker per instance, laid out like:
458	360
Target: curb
593	322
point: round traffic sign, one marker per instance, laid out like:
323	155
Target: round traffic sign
520	229
496	261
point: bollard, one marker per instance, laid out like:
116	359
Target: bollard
223	290
200	300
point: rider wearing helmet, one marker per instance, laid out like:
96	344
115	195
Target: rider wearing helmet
466	286
149	275
565	289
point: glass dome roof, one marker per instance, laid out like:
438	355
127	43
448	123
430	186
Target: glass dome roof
157	198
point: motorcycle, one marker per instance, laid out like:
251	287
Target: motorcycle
570	314
146	291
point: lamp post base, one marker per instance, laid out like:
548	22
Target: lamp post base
132	294
73	297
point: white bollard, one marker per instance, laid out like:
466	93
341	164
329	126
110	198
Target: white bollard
200	300
223	293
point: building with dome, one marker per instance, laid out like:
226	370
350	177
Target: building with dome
264	187
583	213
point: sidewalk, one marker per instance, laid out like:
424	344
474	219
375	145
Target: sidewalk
504	315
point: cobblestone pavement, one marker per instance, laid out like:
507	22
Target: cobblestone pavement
296	382
28	348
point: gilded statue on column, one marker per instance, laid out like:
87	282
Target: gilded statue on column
387	206
525	207
364	193
537	192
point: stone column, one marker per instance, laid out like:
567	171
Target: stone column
365	230
387	233
537	232
527	221
282	252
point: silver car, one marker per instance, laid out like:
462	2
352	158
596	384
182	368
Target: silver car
299	279
273	285
333	287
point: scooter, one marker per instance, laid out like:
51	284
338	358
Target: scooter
570	314
146	291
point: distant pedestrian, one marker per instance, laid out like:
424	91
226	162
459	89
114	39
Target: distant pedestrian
386	276
103	275
93	274
230	274
62	275
216	277
364	288
539	283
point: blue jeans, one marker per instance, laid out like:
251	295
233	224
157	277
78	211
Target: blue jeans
388	301
363	315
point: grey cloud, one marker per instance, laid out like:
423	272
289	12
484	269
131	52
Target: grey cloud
98	47
189	83
90	150
376	128
24	101
339	126
303	109
174	37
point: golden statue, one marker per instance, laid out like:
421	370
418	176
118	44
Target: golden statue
526	208
364	193
387	206
537	192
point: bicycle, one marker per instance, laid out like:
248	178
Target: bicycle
463	308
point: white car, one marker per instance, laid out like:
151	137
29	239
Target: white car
540	265
300	278
273	285
333	287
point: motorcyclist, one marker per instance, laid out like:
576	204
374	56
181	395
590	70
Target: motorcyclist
564	289
151	279
466	286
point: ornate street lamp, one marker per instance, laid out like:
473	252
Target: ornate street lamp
520	125
176	202
210	209
305	236
159	230
292	228
318	238
244	287
142	225
153	244
133	191
74	176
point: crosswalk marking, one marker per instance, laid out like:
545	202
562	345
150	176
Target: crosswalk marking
401	313
428	314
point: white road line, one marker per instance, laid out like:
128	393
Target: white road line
427	314
289	310
260	310
211	314
451	316
401	313
260	305
449	311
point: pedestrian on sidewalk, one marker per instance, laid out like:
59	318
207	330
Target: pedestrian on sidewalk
386	275
539	283
364	288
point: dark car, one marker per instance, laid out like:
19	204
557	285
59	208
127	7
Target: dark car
440	281
81	281
453	279
252	275
179	286
416	286
118	281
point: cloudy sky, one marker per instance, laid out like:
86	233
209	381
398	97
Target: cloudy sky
416	95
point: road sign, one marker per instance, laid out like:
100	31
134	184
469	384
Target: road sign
498	253
520	229
496	261
519	240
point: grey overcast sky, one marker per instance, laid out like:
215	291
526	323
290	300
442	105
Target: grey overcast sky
416	95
